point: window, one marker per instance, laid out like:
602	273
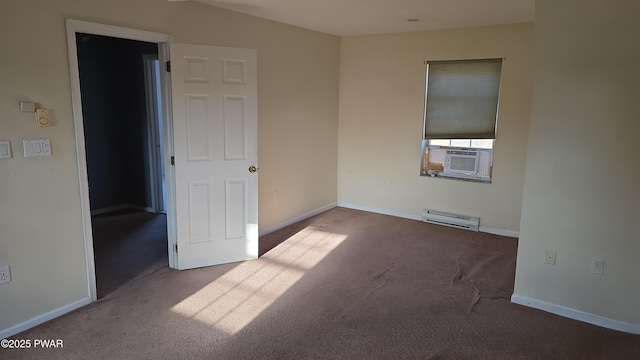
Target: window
461	105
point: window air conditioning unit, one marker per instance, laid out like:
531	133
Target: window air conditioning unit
461	162
452	220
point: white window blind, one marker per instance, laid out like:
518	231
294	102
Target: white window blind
462	99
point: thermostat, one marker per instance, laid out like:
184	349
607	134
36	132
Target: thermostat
43	117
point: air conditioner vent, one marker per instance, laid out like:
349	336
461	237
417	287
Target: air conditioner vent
461	162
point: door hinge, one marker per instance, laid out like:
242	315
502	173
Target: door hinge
173	161
176	247
167	66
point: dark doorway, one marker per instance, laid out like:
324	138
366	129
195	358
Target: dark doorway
129	231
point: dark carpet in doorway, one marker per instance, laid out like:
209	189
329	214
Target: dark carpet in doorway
127	246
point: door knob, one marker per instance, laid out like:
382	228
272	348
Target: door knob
252	169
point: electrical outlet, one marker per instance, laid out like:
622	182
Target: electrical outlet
550	257
388	184
597	266
5	274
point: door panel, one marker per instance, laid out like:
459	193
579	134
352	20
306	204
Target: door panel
236	209
214	96
197	122
234	128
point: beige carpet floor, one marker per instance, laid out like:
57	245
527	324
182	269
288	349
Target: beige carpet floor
343	285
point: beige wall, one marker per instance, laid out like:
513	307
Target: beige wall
40	221
381	108
582	187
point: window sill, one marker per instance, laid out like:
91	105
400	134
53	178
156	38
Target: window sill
439	175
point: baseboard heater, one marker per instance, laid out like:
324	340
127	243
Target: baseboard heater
452	220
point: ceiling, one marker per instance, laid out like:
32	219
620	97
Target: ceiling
365	17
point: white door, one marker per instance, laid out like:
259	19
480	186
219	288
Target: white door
215	141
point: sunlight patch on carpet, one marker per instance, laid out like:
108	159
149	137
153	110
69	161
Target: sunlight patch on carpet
232	301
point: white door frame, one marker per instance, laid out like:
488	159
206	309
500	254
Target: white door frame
153	134
78	26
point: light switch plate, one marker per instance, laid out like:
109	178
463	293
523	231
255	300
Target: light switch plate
5	274
5	149
36	147
44	117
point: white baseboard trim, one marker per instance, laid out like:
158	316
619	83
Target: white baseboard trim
43	318
502	232
141	208
381	211
109	209
121	207
576	314
297	219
